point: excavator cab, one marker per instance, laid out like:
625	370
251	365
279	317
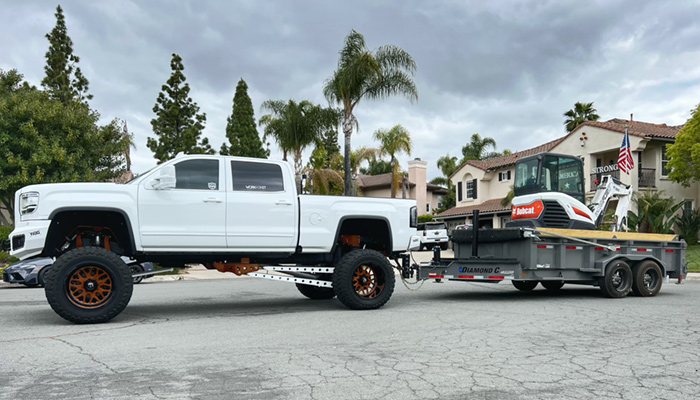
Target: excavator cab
548	172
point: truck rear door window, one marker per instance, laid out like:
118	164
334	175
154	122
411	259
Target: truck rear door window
258	177
197	174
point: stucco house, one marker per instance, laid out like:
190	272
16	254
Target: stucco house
482	184
427	195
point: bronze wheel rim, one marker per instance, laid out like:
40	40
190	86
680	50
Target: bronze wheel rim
89	286
367	282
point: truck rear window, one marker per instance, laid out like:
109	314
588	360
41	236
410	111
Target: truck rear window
431	226
259	177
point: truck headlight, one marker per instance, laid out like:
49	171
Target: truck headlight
28	202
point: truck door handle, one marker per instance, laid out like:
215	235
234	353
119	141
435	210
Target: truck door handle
213	200
283	203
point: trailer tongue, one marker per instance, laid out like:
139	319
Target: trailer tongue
617	262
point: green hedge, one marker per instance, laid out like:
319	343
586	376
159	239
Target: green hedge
5	231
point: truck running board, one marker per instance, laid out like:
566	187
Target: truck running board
303	277
288	278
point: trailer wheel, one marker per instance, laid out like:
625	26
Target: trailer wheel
647	279
136	269
617	281
363	280
316	292
552	285
88	285
524	286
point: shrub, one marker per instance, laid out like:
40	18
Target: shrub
688	226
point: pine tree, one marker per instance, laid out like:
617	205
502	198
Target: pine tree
177	125
241	130
329	142
63	81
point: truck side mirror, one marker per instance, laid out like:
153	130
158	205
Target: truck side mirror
165	180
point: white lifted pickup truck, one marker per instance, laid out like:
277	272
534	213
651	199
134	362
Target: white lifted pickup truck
234	214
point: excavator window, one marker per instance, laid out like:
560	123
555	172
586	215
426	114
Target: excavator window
549	173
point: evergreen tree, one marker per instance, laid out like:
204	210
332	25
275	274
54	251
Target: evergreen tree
177	125
63	81
241	130
329	142
43	141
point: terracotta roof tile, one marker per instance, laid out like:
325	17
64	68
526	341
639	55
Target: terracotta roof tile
384	181
636	128
488	206
509	159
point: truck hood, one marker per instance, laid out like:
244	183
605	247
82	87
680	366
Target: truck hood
94	195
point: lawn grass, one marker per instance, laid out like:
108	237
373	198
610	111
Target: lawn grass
692	257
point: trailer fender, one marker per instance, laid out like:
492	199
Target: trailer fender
631	259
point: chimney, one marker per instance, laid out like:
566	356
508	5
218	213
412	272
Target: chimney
631	117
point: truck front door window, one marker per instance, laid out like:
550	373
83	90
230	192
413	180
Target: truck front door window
197	174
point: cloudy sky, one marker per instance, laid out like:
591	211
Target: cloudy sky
503	69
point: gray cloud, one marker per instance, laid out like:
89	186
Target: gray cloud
504	69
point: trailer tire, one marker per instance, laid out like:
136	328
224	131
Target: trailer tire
552	285
88	285
524	286
647	279
363	280
617	281
316	292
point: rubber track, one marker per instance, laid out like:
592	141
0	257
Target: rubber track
55	290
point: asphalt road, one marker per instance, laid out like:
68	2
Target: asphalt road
253	339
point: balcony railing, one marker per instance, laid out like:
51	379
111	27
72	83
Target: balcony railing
647	177
595	178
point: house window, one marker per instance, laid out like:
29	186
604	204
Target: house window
427	208
664	161
439	202
459	191
504	176
469	188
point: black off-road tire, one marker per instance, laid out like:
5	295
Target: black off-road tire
617	281
363	280
647	279
443	246
88	285
552	285
525	286
316	292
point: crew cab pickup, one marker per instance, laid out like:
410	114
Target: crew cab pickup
234	214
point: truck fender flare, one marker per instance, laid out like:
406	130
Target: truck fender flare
342	220
127	220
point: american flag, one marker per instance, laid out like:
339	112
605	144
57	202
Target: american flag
624	160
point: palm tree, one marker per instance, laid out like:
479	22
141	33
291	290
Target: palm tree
476	148
448	165
394	141
362	74
295	126
581	113
357	157
323	179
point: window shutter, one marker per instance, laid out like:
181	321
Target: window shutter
474	186
459	191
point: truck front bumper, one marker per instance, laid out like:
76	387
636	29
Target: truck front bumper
28	238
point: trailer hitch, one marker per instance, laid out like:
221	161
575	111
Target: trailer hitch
406	268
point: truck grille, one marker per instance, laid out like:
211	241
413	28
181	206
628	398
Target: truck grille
554	215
